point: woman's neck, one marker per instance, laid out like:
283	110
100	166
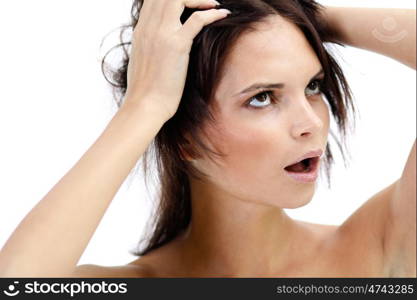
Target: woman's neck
233	237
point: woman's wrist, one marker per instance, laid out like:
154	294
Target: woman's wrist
330	19
139	108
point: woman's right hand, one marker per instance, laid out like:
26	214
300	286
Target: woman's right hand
160	50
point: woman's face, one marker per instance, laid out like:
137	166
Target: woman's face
261	135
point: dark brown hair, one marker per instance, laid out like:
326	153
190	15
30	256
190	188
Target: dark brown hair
209	50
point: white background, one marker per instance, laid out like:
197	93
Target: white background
55	103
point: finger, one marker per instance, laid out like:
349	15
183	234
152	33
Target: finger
199	19
151	9
178	7
147	6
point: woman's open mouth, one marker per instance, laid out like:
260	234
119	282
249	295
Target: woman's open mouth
305	170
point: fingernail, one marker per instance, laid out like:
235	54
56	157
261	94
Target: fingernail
216	2
225	10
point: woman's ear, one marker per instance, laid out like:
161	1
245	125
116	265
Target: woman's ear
186	150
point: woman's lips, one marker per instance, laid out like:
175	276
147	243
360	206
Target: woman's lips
311	154
309	176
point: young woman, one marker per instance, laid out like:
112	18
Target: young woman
237	107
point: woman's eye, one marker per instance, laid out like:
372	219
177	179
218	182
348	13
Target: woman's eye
261	100
266	98
315	86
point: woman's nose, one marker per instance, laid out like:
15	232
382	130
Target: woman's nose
306	120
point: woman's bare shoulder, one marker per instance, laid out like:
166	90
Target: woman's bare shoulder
134	269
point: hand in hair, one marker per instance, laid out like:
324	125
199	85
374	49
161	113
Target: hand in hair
160	50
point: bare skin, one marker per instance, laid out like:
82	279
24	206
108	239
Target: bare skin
235	234
232	234
37	247
317	251
327	251
239	228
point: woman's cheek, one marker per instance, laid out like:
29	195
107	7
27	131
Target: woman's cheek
247	148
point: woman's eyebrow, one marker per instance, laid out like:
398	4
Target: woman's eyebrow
258	86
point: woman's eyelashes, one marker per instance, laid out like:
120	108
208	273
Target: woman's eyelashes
260	104
316	85
267	97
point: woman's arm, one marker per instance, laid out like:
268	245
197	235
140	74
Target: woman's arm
388	31
391	32
52	237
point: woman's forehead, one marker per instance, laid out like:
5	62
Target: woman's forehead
277	50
